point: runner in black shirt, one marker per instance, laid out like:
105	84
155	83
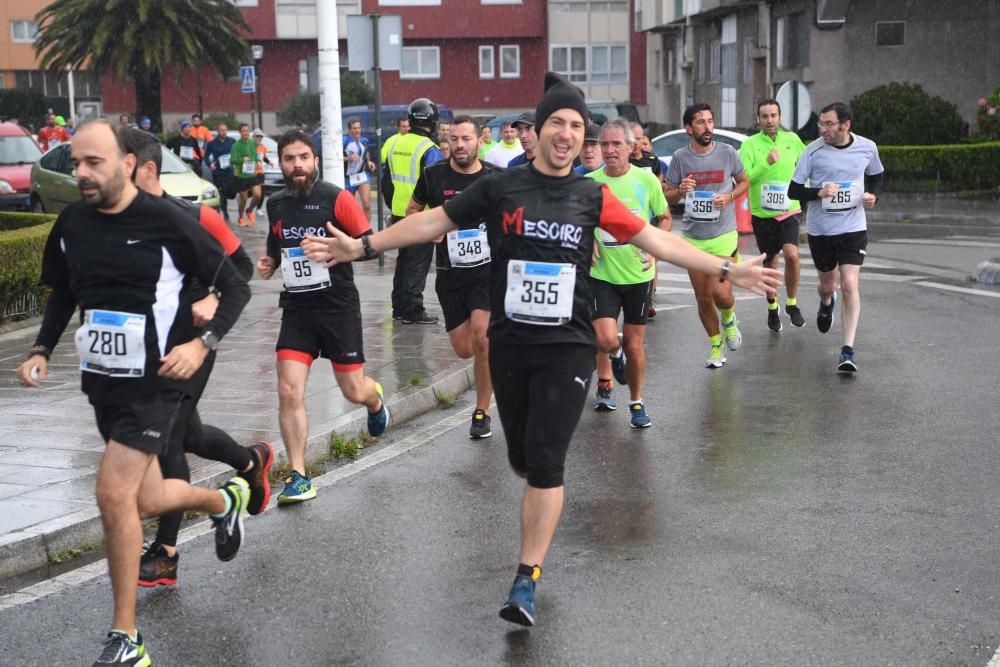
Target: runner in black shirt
158	566
321	310
540	220
463	261
126	259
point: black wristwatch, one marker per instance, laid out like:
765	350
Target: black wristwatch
210	340
40	350
366	244
724	271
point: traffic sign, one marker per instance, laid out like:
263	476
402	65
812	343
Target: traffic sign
796	105
248	79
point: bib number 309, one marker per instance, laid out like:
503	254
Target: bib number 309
540	292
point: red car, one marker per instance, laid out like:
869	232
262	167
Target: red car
18	151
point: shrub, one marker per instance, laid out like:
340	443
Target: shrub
21	269
903	114
301	109
988	117
212	122
11	221
955	167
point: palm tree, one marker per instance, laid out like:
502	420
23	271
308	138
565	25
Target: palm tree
140	39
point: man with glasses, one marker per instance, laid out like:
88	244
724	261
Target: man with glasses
844	176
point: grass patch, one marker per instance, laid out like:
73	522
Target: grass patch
70	554
445	399
342	446
416	381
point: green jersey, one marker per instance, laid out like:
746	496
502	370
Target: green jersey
622	263
769	182
487	145
243	158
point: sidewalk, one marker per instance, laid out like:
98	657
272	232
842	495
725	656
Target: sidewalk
50	447
942	209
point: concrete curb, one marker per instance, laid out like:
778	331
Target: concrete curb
33	547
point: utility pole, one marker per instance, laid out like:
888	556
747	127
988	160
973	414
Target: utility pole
329	93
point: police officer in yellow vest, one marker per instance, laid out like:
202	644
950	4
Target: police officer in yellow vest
404	159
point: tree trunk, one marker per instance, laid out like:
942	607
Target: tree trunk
147	98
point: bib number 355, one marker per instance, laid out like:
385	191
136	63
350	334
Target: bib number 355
540	292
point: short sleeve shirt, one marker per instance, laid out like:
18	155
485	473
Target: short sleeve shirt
847	166
713	172
621	263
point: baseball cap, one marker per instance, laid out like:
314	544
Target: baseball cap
185	123
258	132
593	132
527	118
60	120
145	121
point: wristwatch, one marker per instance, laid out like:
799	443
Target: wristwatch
724	271
367	246
210	340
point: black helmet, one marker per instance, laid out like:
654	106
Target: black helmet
422	112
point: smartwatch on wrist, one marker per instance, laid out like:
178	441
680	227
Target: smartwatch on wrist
724	271
367	246
210	340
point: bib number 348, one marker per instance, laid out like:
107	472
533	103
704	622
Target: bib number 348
540	292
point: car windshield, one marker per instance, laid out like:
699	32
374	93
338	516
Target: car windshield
172	164
665	146
18	150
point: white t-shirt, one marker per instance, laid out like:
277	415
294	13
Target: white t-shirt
847	166
501	154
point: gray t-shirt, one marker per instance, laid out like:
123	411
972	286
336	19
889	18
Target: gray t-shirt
822	163
713	172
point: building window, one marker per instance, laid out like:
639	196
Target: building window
500	2
570	61
510	61
485	62
609	63
702	64
748	60
408	3
421	62
244	3
890	33
669	65
23	31
791	47
715	61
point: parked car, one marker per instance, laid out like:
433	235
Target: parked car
665	145
18	152
53	183
602	112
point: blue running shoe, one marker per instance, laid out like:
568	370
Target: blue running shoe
825	316
378	421
847	364
639	417
618	363
297	489
604	402
520	605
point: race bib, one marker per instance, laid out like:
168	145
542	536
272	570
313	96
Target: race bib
187	152
112	343
53	142
846	199
300	273
700	207
357	179
539	292
774	197
224	162
468	248
248	166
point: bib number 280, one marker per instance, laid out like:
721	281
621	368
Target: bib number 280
108	343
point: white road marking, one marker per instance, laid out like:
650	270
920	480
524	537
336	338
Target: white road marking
944	242
995	660
961	290
99	568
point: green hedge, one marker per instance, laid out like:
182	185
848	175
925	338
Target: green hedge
11	221
20	270
959	167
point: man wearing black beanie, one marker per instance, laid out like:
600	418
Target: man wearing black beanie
541	220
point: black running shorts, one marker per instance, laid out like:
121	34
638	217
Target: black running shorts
147	424
829	251
541	391
632	300
460	291
773	234
333	336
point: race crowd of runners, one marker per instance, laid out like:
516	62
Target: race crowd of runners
543	240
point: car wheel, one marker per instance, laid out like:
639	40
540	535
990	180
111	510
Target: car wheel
36	204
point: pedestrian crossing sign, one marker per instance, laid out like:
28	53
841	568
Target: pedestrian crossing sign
248	79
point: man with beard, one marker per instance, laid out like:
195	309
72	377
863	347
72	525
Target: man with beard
463	261
127	259
321	310
703	175
541	220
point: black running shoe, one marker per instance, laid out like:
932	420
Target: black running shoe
824	316
421	318
774	320
257	476
229	526
120	650
795	315
846	363
480	425
156	568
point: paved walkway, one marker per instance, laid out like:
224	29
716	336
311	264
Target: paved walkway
50	448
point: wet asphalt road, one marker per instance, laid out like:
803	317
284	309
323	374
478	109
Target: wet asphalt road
775	514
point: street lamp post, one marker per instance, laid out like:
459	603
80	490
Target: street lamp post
257	51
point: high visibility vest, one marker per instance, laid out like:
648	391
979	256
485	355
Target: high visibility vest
404	158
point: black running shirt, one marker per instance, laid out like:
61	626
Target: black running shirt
649	162
438	184
132	266
541	232
309	285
